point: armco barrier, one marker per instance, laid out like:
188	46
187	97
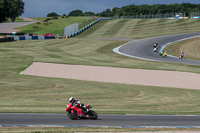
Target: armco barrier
16	38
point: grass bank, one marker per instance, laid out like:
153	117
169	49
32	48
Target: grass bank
54	26
141	28
190	47
21	93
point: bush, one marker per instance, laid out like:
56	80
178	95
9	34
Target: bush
52	14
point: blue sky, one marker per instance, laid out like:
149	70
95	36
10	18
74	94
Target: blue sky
40	8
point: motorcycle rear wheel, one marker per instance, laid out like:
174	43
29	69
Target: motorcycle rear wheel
92	114
72	115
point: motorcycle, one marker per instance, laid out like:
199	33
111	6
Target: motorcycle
181	56
164	54
155	49
161	53
76	111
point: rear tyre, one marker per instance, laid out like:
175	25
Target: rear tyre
72	115
93	115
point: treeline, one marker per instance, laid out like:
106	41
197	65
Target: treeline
145	9
10	9
72	13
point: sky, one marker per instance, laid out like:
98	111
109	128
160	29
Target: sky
40	8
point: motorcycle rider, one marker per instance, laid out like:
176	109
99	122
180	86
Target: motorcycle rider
155	44
181	55
165	54
74	101
161	53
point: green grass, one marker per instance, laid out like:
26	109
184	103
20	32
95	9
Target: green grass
142	28
56	27
115	28
20	93
190	47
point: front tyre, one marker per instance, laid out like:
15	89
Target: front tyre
72	115
92	114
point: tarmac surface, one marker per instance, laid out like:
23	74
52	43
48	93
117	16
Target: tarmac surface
125	121
9	27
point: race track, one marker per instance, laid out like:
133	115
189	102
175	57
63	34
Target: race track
143	48
129	121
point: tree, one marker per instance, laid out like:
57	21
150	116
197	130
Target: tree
2	14
76	13
64	15
52	14
11	9
116	12
89	14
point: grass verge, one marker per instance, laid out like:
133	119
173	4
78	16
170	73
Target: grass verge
77	129
190	47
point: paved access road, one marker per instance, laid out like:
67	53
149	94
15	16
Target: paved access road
143	48
103	120
8	27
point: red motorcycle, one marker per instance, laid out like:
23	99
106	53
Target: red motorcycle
76	111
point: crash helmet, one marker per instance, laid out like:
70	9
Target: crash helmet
71	99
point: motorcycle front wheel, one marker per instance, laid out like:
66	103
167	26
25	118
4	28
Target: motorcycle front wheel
72	115
93	115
